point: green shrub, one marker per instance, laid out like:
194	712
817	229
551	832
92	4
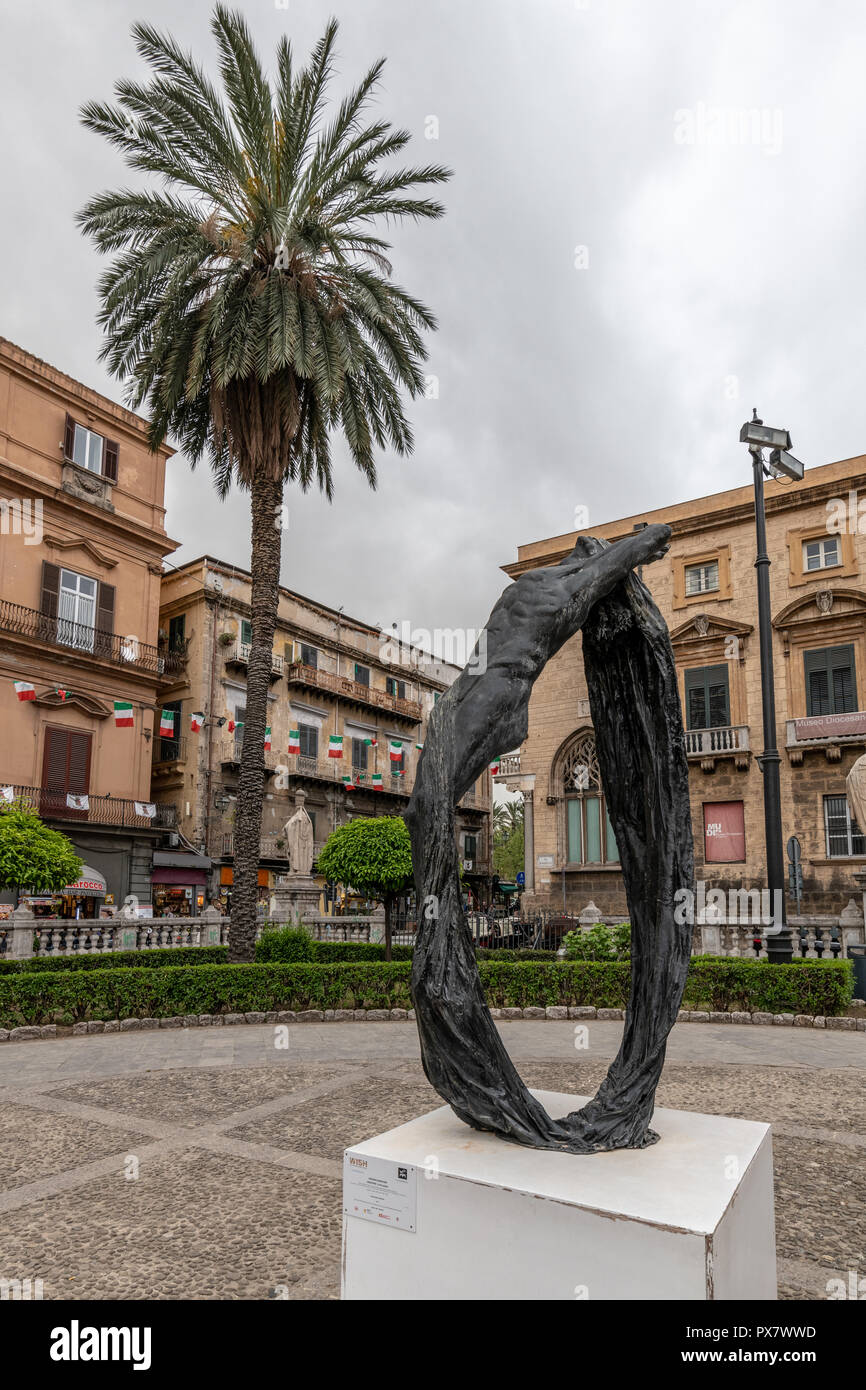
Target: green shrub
290	945
49	996
114	960
601	942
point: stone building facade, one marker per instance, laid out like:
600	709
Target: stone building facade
82	539
706	589
333	676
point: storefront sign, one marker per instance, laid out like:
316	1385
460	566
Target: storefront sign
377	1189
724	832
831	725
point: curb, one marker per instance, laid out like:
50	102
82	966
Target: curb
553	1012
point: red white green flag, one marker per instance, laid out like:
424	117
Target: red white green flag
294	740
123	717
371	742
196	721
166	723
494	768
395	750
62	692
24	691
268	739
419	746
335	746
232	726
376	779
347	777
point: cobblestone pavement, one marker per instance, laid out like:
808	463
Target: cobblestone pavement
206	1163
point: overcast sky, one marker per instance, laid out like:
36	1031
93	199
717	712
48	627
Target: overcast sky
626	266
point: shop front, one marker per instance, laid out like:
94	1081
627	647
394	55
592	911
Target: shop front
178	885
82	900
227	878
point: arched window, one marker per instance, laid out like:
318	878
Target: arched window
588	832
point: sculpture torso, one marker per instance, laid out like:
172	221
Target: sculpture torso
299	837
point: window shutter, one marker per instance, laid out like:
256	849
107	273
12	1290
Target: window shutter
105	608
50	599
69	438
109	459
54	760
78	774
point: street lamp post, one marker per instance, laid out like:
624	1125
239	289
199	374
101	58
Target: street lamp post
758	436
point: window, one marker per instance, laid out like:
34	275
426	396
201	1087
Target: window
831	682
246	632
395	687
844	836
399	765
76	618
169	748
362	674
707	698
724	832
470	847
65	770
702	579
90	450
359	755
309	736
309	656
240	717
589	833
176	633
821	554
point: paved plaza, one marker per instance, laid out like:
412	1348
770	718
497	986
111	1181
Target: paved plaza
206	1163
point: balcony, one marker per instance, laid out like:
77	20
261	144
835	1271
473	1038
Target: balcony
828	733
86	641
231	752
335	769
118	811
238	654
167	751
725	741
346	689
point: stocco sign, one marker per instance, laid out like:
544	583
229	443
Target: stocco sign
831	725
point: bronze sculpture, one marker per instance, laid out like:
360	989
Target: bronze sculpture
641	751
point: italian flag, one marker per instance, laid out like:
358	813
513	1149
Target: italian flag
62	692
419	746
232	726
395	750
268	739
166	723
494	768
335	746
123	714
294	740
196	720
24	691
347	777
371	742
376	779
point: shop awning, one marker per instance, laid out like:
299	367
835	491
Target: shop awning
90	883
167	860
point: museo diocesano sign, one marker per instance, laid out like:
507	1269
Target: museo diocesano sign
831	725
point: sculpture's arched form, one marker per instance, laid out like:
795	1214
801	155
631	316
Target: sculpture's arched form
641	750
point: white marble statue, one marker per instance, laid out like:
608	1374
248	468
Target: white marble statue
299	837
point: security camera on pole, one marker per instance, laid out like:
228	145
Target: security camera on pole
782	463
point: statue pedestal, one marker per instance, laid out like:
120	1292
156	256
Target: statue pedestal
296	895
689	1218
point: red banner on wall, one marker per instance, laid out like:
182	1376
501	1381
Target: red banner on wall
724	832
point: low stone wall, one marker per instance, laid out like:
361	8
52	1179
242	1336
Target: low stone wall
552	1013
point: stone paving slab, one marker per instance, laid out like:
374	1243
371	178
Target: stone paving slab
239	1146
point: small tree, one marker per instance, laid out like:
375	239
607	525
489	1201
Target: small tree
31	854
373	855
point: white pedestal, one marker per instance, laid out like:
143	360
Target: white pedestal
689	1218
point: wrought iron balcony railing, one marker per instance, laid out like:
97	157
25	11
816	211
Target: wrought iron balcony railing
88	641
239	653
314	679
59	804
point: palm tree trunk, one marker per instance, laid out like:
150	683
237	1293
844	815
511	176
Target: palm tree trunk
267	496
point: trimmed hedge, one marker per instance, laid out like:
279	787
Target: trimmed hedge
51	996
324	952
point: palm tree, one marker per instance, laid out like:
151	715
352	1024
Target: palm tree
249	305
507	817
